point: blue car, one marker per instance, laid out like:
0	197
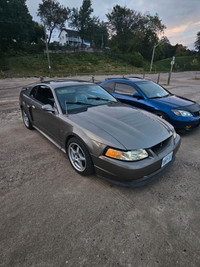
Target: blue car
182	113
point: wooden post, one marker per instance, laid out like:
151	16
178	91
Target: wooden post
158	80
170	72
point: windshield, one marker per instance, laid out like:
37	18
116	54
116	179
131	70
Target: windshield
152	90
73	99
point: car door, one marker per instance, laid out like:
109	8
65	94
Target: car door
125	93
47	121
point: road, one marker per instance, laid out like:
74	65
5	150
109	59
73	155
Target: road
51	216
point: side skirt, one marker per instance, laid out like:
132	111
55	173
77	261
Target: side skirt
50	139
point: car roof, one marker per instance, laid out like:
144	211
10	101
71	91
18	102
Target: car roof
132	79
63	83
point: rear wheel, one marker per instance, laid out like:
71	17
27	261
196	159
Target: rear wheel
162	115
26	120
79	157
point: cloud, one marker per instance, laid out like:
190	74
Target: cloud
184	34
181	17
174	31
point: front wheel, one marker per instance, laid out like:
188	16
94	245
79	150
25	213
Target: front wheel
26	120
79	157
162	115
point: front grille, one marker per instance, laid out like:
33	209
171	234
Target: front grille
159	147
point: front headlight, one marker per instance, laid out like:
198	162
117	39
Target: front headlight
132	155
182	113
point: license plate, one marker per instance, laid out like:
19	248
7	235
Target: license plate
167	159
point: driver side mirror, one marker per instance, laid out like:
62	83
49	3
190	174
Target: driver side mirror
138	96
48	107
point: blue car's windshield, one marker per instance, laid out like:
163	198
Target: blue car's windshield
76	98
152	90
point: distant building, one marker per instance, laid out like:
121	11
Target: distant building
71	38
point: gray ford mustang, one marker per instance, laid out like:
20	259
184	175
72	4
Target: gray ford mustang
125	145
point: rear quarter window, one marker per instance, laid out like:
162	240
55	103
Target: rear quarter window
109	86
125	89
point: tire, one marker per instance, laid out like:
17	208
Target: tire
79	157
162	115
26	120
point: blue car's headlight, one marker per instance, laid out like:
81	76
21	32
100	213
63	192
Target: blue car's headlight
182	113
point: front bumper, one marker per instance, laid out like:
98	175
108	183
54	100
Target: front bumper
185	123
135	174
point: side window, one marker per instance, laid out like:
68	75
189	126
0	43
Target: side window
125	89
43	95
34	91
109	86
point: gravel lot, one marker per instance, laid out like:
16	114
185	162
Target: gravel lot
51	216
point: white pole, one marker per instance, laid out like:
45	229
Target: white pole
154	47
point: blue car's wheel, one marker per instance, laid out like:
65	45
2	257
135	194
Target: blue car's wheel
162	115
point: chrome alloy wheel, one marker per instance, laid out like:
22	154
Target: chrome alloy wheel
25	119
77	157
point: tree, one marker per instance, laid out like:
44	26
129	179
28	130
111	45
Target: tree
97	33
122	22
180	50
197	43
133	32
16	24
81	19
52	15
165	49
37	33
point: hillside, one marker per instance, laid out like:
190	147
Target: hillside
64	65
183	63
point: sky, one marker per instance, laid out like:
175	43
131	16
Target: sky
181	17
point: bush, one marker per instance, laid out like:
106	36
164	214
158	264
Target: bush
136	59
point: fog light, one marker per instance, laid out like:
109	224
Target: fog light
188	127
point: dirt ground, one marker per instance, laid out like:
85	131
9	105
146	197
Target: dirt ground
51	216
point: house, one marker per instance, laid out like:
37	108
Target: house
71	38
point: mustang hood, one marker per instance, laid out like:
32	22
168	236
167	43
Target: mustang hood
174	101
131	127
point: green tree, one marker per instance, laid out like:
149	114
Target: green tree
164	50
97	33
122	22
16	25
133	32
52	15
81	19
180	50
197	43
37	34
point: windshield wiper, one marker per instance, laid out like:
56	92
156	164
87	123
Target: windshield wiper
79	103
99	98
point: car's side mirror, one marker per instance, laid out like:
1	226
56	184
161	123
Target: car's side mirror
138	96
48	107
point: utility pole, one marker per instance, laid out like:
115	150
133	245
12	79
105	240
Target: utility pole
154	48
47	50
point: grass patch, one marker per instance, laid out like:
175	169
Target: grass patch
184	63
64	65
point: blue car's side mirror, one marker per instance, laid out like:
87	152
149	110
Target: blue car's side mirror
138	96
